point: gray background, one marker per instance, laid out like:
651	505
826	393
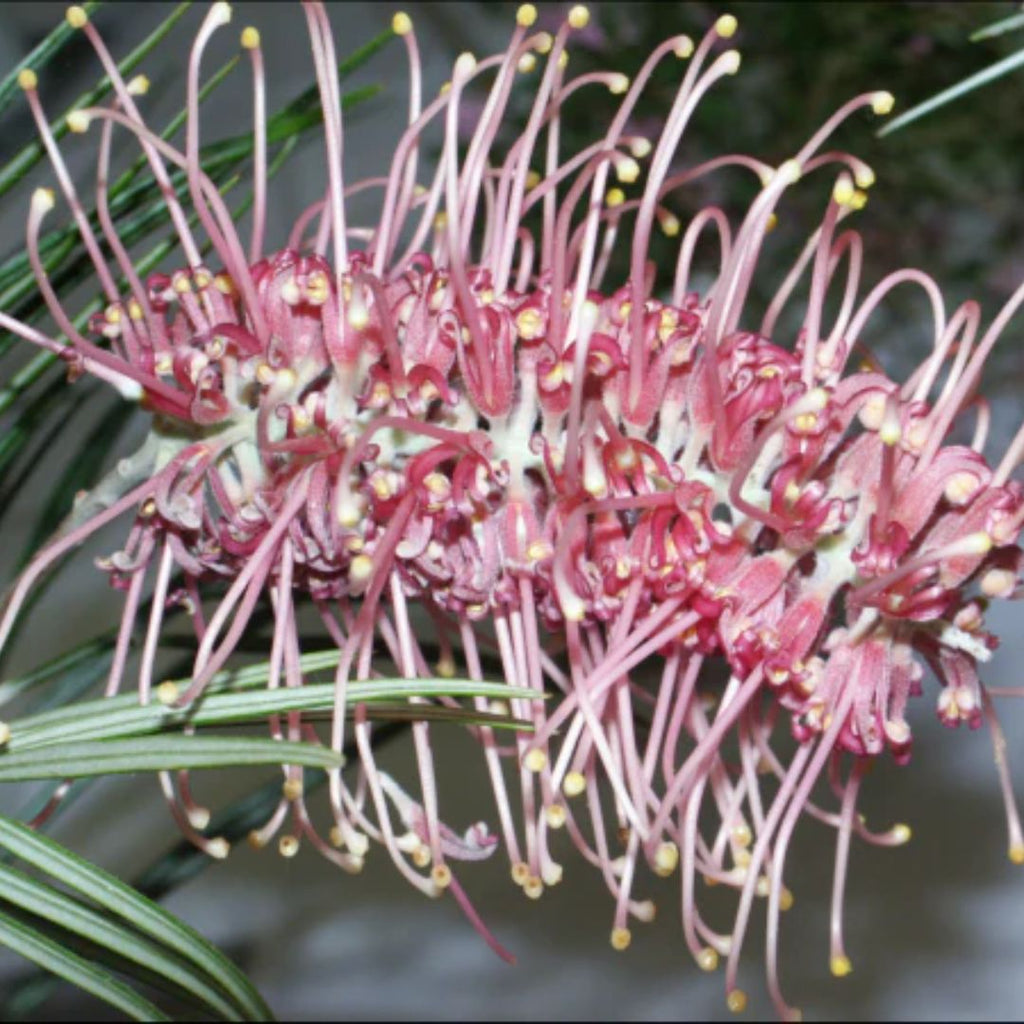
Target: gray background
933	929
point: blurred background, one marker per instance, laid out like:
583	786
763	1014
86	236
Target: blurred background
933	928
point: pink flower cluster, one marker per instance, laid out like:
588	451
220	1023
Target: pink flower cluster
448	436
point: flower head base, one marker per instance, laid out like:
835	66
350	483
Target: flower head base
449	417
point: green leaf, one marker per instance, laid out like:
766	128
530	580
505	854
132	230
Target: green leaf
53	957
120	717
54	42
158	753
954	92
54	906
15	169
121	900
998	28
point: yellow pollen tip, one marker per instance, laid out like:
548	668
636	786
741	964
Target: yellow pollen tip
520	873
842	191
864	177
840	966
288	846
579	16
731	61
683	48
726	26
527	63
28	79
772	223
199	818
621	938
1016	853
901	833
77	121
292	789
618	84
670	225
882	103
890	434
536	760
138	86
250	38
574	784
466	64
5	733
786	899
76	16
707	959
446	87
441	876
533	887
526	15
563	60
401	23
532	179
167	692
736	1000
555	815
544	42
615	197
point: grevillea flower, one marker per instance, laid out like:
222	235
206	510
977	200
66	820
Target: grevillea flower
447	430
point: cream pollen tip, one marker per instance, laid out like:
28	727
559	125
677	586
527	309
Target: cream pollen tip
198	817
840	966
621	938
1016	853
526	15
401	23
882	103
736	1000
28	79
78	121
618	84
220	13
731	61
683	48
288	846
790	171
5	733
579	16
138	86
76	16
544	42
466	64
167	693
574	784
218	848
536	760
250	38
726	26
